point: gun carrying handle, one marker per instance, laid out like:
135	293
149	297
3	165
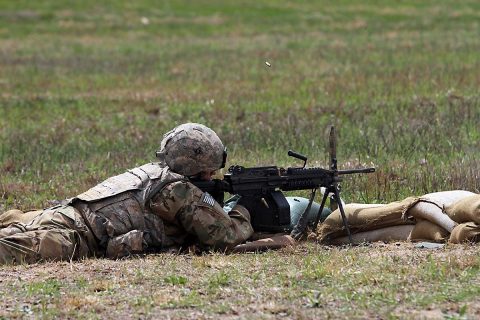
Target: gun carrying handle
294	154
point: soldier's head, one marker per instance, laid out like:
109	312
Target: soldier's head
192	149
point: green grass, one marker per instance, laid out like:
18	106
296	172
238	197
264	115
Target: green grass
390	282
87	90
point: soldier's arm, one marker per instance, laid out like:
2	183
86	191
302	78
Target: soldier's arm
199	214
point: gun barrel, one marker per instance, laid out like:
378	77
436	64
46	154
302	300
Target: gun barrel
350	171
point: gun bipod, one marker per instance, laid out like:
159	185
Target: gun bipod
336	194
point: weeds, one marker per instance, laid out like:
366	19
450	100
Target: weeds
175	280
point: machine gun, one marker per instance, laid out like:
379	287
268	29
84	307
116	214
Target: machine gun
261	189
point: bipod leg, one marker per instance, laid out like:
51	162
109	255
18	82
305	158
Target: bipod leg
322	205
342	212
301	226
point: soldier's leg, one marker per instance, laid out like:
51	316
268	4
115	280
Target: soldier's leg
12	229
39	245
57	233
17	216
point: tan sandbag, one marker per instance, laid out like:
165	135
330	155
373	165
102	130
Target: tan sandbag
365	218
447	198
426	230
272	243
465	210
17	216
395	233
354	206
431	207
465	232
433	212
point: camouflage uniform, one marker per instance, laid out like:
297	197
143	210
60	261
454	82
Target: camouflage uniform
147	209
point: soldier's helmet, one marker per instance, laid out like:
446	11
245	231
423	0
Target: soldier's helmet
192	148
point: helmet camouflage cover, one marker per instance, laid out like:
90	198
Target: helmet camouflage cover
192	148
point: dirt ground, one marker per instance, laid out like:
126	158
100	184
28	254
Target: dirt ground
308	281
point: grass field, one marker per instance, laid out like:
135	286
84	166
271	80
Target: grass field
87	88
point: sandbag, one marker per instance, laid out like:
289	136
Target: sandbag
365	218
431	211
426	230
395	233
431	207
465	232
354	206
465	210
448	197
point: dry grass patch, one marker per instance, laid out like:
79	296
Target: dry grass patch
307	281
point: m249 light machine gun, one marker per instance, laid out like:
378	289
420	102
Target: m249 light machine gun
261	189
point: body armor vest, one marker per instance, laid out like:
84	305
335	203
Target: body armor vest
116	210
141	183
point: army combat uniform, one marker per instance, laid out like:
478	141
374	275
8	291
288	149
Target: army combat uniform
147	209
